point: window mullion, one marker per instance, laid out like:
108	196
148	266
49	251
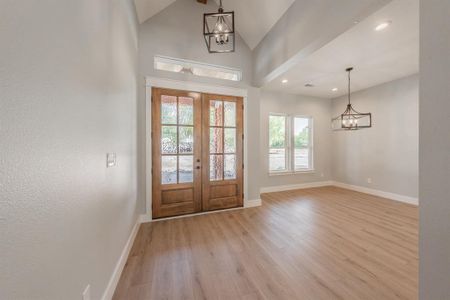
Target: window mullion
311	144
291	144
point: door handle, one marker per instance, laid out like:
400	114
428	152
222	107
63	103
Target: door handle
198	167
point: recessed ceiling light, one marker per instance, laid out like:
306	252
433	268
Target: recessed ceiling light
309	85
334	89
284	81
383	25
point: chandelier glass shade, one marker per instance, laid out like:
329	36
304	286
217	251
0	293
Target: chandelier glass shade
351	119
218	31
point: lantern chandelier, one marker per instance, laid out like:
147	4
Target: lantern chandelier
218	30
351	119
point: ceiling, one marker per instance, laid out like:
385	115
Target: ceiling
148	8
377	56
254	18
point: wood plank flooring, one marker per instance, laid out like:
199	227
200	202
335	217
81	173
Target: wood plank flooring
321	243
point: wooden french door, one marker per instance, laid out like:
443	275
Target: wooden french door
222	152
176	143
197	161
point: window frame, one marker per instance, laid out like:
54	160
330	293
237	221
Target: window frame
310	144
287	141
290	145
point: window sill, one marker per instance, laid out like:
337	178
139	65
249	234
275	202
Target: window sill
283	173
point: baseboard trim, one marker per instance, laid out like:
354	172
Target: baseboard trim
356	188
383	194
114	280
299	186
145	218
252	203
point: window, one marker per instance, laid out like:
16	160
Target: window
196	68
290	143
277	143
302	143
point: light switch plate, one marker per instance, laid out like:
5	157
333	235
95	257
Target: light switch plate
111	160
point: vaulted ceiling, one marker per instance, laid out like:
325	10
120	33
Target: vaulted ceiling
377	56
254	18
148	8
313	41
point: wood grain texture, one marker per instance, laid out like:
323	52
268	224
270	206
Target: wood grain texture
170	199
321	243
210	199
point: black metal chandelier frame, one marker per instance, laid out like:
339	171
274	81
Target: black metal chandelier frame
348	120
209	34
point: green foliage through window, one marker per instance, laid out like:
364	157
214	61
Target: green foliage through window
277	131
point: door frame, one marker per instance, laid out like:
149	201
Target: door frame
151	82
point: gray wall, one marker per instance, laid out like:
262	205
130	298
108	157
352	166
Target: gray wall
68	96
320	110
388	152
176	32
434	181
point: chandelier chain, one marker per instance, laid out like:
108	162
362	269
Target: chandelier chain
349	86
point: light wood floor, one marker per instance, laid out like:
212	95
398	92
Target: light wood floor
322	243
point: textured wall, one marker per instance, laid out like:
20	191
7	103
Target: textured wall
68	96
319	109
388	152
434	181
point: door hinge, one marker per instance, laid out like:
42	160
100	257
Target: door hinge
242	166
242	136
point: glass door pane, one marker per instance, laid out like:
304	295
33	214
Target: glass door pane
177	139
222	139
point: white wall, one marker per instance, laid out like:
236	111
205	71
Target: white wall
177	32
68	96
320	110
388	152
434	181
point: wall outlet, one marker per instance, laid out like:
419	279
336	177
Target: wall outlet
322	175
111	160
87	293
369	180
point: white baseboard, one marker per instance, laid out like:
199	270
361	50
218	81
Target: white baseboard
145	218
112	284
281	188
383	194
252	203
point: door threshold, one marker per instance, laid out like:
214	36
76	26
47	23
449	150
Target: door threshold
198	214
